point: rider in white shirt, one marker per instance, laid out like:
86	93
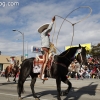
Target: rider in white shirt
44	31
12	61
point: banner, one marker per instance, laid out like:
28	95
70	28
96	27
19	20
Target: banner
87	45
35	49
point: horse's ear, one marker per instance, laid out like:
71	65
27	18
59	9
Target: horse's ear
79	45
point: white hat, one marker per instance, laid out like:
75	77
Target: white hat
43	27
12	56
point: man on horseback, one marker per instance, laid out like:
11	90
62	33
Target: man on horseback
12	61
45	41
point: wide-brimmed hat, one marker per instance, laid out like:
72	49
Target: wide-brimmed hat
44	26
12	56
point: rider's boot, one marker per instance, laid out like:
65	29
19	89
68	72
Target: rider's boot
43	78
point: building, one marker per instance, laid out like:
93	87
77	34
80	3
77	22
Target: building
87	45
4	63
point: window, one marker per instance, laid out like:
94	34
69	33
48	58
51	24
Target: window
1	67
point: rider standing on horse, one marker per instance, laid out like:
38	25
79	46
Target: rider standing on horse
45	42
12	61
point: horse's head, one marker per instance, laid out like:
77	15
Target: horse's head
80	55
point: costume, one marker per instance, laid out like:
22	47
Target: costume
12	61
45	39
44	31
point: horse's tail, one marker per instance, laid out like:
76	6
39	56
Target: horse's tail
6	72
26	69
20	87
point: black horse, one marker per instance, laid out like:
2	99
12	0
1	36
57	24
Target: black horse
59	70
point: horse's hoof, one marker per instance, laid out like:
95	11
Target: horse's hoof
19	98
23	91
37	99
58	98
64	93
14	81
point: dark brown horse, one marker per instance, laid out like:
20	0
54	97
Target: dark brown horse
12	71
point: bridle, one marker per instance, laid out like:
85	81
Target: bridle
78	52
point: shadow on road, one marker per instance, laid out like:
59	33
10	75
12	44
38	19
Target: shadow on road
7	83
74	94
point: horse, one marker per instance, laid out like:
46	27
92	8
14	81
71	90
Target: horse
58	70
9	71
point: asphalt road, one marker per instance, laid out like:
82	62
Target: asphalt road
87	89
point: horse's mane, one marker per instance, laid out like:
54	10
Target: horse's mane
71	50
66	53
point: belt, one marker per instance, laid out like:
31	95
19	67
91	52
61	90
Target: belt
45	49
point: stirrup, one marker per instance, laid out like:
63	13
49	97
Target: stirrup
45	79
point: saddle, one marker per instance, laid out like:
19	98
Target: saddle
37	64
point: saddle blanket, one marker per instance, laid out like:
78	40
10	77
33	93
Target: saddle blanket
37	64
36	69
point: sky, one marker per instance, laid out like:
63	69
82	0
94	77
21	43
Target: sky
26	16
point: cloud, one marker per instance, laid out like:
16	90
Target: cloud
30	15
5	19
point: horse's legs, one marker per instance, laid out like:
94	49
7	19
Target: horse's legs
66	81
14	79
58	82
8	80
15	72
7	71
20	87
32	87
22	77
15	75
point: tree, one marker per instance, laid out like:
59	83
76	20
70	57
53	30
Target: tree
95	51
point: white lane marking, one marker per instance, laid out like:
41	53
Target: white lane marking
8	94
17	96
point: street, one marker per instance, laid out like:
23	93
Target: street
87	89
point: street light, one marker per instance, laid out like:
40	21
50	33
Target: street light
23	40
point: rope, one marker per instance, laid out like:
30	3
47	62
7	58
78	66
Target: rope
64	19
54	31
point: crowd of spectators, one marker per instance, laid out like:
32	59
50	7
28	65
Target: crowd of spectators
92	70
94	67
